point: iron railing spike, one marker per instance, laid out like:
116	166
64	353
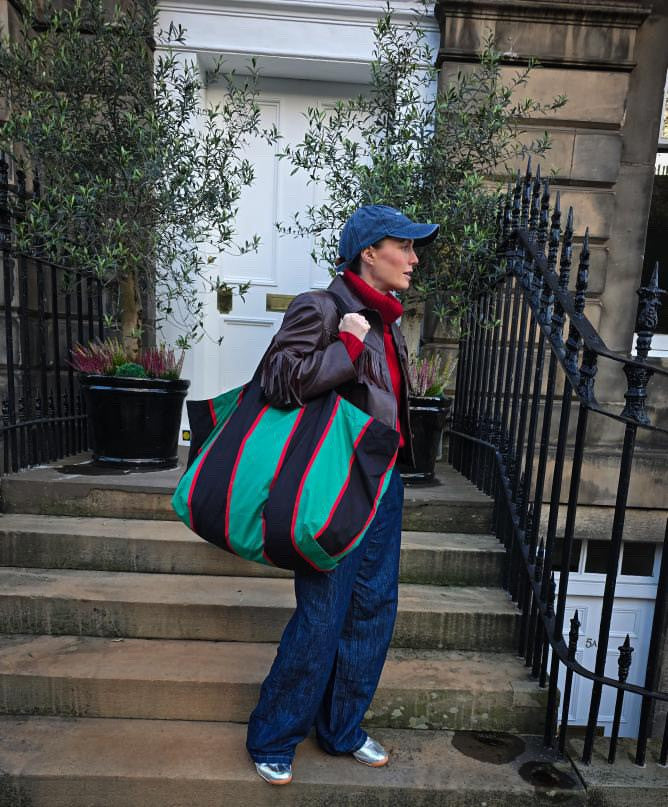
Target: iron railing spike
543	223
527	206
517	206
570	221
553	251
574	340
654	280
574	633
624	665
582	282
639	373
551	595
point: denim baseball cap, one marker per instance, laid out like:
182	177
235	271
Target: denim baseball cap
370	223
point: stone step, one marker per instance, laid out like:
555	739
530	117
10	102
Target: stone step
56	762
173	606
74	487
83	676
140	545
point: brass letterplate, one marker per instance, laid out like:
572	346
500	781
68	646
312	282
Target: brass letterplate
224	300
279	302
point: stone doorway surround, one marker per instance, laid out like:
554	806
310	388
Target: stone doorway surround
323	40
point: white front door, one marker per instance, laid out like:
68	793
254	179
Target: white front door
282	265
632	614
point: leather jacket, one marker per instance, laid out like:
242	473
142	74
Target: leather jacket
306	358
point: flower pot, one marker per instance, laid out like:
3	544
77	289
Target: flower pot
133	422
428	416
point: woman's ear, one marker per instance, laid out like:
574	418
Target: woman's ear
367	255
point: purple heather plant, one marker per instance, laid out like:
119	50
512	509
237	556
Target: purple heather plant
109	356
428	375
161	362
98	357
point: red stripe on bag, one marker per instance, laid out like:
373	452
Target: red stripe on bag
373	509
203	460
303	481
214	417
234	473
346	483
276	473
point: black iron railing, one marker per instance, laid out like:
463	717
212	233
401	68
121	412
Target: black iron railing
46	309
524	334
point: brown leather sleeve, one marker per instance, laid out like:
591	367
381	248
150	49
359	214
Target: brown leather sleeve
306	357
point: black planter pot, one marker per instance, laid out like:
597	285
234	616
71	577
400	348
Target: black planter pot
428	418
133	422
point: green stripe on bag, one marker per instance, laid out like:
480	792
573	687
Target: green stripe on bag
224	405
326	477
250	487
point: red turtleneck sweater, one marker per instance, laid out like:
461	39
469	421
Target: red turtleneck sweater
390	309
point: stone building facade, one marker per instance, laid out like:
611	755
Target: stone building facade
610	60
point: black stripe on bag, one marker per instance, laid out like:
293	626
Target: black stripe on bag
283	495
214	481
372	458
201	424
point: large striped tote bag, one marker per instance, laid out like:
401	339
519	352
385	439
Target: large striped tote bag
293	488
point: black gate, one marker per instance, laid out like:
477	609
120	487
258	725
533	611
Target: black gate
46	308
525	334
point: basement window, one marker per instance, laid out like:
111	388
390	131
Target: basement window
576	551
597	557
638	559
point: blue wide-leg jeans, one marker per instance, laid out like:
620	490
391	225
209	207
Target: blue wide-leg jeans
333	648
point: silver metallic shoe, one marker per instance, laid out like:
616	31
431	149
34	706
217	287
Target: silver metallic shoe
276	773
372	753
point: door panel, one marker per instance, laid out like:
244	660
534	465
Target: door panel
258	209
632	616
244	340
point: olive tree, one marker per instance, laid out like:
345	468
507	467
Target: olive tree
137	176
437	156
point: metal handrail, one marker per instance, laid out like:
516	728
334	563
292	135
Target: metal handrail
558	644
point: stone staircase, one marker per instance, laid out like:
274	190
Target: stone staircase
132	653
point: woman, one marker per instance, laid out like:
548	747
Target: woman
333	649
